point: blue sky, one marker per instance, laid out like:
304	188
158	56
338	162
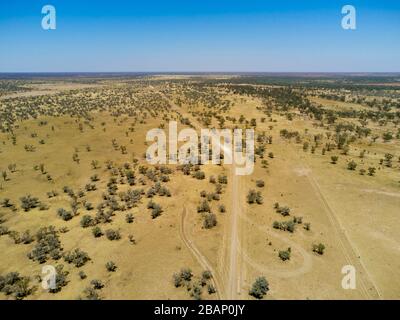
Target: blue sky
201	35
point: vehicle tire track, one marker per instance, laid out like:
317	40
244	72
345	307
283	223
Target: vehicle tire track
346	245
201	259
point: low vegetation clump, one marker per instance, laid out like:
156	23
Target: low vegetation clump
352	165
97	284
194	286
48	245
259	288
284	211
28	202
285	254
96	231
64	214
60	280
111	266
260	183
76	257
318	248
15	285
254	197
87	221
129	218
91	294
285	225
204	206
210	220
113	234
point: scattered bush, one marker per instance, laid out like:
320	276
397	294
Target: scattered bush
371	171
318	248
156	211
222	179
254	197
199	175
48	245
113	234
260	288
15	285
284	211
260	183
64	214
352	165
61	279
211	289
76	257
129	218
96	231
210	221
204	206
87	221
285	226
28	202
97	284
285	254
110	266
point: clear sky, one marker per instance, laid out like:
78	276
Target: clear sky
200	35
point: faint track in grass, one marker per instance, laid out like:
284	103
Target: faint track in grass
368	286
201	259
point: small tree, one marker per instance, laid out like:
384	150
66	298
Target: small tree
334	159
285	254
96	231
87	221
371	171
97	284
352	165
129	218
260	183
260	288
210	220
113	234
28	202
110	266
319	248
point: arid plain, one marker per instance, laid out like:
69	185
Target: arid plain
77	192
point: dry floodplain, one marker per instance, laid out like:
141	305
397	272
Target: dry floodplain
318	218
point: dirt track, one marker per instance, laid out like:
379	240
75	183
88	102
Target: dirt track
202	260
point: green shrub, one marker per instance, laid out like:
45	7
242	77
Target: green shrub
129	218
15	285
64	214
77	257
210	221
87	221
110	266
285	254
113	234
259	288
28	202
96	231
319	248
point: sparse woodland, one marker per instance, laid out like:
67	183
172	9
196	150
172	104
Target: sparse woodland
77	192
